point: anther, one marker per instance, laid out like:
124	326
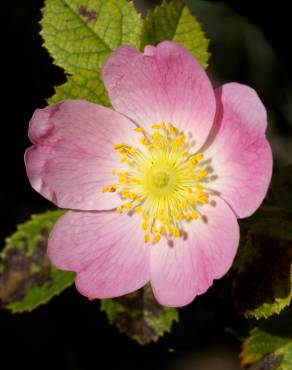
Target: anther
156	238
146	238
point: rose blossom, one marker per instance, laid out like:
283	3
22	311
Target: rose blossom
155	186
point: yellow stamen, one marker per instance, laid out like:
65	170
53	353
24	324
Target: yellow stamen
138	129
176	232
203	199
143	140
156	238
163	184
122	177
119	146
120	209
105	189
202	173
146	238
145	226
125	193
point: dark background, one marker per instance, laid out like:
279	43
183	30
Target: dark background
250	44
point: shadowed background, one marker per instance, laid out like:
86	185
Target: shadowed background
248	45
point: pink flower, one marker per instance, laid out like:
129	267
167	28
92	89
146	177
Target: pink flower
155	186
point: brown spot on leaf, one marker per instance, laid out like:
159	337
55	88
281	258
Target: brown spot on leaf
89	15
23	269
132	320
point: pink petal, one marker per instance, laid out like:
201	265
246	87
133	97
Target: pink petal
238	152
105	248
74	154
181	271
166	83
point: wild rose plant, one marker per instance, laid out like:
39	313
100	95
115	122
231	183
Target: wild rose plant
154	186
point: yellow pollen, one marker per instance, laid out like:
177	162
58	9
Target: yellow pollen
109	188
162	126
202	173
119	146
125	193
204	199
145	226
143	140
122	177
138	129
176	232
105	189
163	182
120	209
146	238
156	238
171	129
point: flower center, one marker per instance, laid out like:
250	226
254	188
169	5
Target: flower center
162	180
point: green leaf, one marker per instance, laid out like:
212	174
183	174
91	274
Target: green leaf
86	86
140	316
263	284
282	188
79	34
27	279
173	21
270	345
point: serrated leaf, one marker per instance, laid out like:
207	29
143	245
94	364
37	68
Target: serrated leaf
269	346
263	284
140	316
79	34
173	21
86	86
27	279
282	188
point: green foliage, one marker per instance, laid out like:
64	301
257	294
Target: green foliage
270	345
79	34
263	284
86	86
27	279
140	316
173	21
